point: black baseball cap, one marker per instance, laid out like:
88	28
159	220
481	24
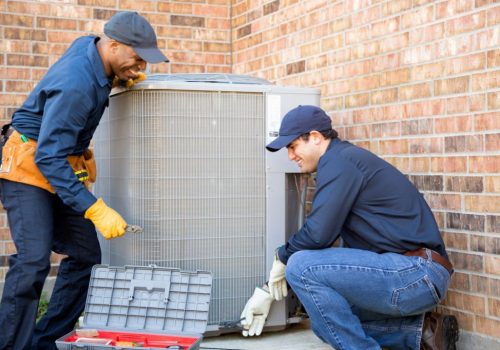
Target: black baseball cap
133	30
300	120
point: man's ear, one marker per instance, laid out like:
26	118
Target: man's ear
315	137
113	45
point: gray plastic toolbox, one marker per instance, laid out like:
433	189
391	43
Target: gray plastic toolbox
139	307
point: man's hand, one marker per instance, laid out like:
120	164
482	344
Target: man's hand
255	312
277	281
106	220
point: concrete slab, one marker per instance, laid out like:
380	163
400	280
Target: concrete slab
297	336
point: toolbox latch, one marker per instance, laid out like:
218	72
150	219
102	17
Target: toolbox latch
149	286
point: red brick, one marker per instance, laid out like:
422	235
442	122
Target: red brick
487	326
384	96
395	77
494	307
416	18
420	164
492	265
395	6
469	143
443	201
19	86
492	142
402	164
482	203
16	20
459	281
358	35
453	124
417	127
394	147
493	58
466	23
358	100
493	16
492	184
385	27
448	164
485	81
426	34
494	100
369	15
484	164
56	23
456	240
451	86
467	302
465	261
28	7
425	145
453	7
416	91
424	108
62	37
98	3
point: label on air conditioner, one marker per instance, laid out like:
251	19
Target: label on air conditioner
273	114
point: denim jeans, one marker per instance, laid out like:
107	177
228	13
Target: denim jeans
357	299
40	223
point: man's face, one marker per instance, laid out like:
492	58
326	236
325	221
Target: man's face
125	63
305	153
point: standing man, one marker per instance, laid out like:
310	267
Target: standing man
44	177
393	266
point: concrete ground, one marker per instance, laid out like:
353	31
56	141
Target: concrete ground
296	337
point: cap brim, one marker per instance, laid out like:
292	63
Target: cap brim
280	142
151	55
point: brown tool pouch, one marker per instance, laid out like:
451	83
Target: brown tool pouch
18	164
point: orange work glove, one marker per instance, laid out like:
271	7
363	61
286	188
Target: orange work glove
106	220
128	83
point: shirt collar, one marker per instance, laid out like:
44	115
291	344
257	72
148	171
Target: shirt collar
96	61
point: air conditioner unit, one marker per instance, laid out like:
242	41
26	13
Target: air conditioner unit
184	157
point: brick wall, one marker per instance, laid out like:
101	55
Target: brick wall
195	35
416	82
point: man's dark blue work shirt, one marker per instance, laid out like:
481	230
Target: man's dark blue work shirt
62	113
367	202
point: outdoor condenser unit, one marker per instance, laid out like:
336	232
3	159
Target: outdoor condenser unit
184	157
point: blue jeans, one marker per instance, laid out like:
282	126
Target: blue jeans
40	223
357	299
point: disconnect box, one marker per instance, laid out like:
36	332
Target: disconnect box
143	307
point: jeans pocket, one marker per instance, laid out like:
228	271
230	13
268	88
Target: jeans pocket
416	297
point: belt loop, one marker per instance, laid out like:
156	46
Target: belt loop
428	252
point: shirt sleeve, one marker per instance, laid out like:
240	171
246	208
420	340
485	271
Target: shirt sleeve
338	186
65	115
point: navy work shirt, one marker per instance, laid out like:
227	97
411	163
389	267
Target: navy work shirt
62	113
366	201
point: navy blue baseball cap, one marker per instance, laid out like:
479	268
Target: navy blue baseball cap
299	121
131	29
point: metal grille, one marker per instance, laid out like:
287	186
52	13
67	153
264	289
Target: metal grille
188	166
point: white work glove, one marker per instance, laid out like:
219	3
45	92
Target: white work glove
255	312
277	281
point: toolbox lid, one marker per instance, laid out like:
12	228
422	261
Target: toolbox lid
149	298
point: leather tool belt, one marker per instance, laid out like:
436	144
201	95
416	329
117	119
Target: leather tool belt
18	163
441	260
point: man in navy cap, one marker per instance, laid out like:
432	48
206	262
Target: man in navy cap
44	177
392	267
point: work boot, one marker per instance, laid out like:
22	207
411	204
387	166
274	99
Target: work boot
440	332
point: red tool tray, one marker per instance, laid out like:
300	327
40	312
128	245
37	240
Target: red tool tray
138	307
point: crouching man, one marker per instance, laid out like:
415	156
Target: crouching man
375	290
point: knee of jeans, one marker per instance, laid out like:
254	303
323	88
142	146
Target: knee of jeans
295	266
